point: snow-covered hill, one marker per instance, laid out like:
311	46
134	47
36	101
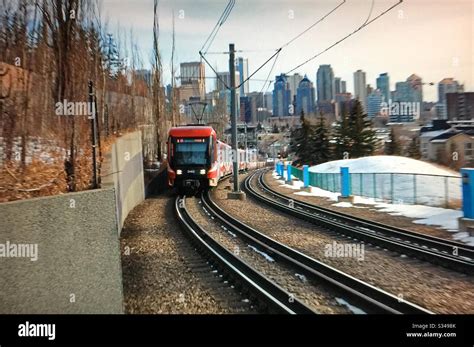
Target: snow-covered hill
383	163
414	181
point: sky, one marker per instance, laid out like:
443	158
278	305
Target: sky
433	39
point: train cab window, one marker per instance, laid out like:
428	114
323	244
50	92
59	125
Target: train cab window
191	152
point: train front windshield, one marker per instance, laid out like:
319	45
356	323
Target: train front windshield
191	152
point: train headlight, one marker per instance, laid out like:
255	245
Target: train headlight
202	172
179	172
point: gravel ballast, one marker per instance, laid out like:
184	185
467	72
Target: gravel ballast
312	294
162	273
435	288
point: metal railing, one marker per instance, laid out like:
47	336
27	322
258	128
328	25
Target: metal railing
396	188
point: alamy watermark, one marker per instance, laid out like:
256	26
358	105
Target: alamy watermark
75	108
345	250
19	250
400	108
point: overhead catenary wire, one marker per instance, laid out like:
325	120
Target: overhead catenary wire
269	74
314	24
225	14
365	24
286	44
277	51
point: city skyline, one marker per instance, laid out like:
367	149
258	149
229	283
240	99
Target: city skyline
406	43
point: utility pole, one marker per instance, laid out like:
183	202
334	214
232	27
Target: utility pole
95	183
236	193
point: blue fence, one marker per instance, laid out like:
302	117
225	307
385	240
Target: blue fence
398	188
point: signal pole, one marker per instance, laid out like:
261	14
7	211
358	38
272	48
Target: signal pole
236	193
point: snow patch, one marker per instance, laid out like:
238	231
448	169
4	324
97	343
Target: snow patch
383	164
265	255
343	204
351	308
315	191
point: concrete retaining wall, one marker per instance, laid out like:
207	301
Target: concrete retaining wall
78	268
123	170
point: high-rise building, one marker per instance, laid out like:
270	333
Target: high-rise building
374	103
243	69
268	101
416	85
360	88
325	83
343	87
223	80
460	106
245	109
281	97
337	85
305	97
383	84
294	81
446	85
369	89
344	103
193	81
257	107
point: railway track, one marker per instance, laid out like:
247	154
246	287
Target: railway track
354	291
446	253
268	296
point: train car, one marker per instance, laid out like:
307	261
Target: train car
197	160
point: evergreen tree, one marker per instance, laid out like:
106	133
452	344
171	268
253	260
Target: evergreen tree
414	149
319	142
342	138
392	147
300	144
361	133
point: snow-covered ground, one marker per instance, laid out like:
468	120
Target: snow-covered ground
414	181
427	215
44	150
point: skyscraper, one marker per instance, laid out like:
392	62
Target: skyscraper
245	109
281	97
409	91
294	81
343	87
337	85
243	69
325	83
268	101
446	85
460	106
223	81
305	97
192	80
374	103
416	85
383	84
360	88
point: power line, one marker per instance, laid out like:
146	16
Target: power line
295	38
265	63
314	24
366	23
370	12
225	14
269	74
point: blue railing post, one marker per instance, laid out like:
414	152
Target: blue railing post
466	223
345	182
288	173
305	176
468	192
